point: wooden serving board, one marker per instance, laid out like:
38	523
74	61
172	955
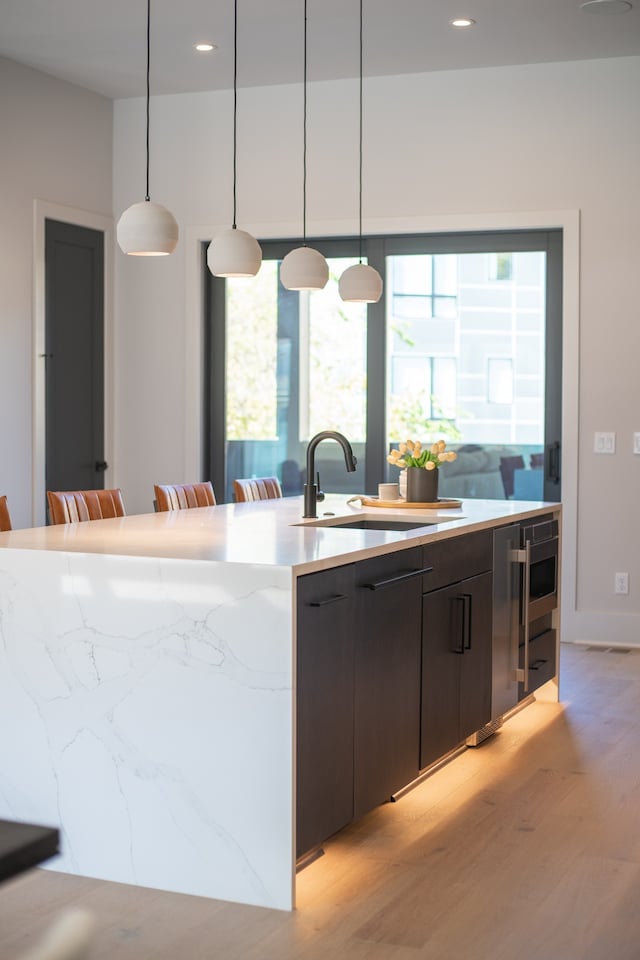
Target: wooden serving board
437	505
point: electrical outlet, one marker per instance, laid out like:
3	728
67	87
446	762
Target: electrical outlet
604	443
622	583
636	443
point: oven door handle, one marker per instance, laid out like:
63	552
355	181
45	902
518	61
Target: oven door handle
524	557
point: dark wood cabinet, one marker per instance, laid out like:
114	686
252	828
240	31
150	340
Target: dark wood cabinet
450	561
456	651
388	597
389	677
441	644
475	664
324	705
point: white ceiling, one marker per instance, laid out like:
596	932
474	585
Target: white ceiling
101	44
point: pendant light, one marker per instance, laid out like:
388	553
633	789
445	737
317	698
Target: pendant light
360	283
147	229
234	253
304	268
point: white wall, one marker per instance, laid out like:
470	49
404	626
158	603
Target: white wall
56	146
463	148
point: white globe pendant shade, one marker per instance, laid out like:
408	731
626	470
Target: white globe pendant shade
147	229
234	253
360	284
304	269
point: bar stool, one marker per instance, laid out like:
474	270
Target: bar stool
74	506
257	488
184	496
5	518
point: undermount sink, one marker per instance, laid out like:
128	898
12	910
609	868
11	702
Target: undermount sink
380	524
375	523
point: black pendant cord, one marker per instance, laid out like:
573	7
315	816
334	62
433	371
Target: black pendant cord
360	144
304	134
147	197
235	104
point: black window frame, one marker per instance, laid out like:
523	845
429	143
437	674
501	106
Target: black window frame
375	250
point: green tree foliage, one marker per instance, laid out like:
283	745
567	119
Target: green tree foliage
408	418
252	325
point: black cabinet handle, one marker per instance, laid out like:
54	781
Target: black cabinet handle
465	626
466	620
460	650
379	584
323	603
537	664
100	466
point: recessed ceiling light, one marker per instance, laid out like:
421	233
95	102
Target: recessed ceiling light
205	47
462	22
606	6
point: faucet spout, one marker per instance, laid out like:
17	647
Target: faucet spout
310	487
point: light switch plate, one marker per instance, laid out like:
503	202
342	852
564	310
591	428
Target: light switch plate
636	443
604	443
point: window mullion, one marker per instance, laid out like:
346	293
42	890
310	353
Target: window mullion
376	374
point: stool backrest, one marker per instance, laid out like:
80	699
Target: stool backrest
5	519
256	488
74	506
184	496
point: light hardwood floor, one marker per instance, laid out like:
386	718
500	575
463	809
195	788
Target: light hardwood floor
526	847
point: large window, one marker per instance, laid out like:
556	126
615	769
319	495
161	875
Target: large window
465	344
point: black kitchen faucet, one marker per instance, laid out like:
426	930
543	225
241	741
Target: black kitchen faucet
312	492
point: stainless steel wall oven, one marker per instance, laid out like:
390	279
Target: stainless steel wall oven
526	558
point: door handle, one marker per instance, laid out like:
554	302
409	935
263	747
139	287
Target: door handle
378	584
553	462
323	603
100	466
525	613
465	626
523	556
466	620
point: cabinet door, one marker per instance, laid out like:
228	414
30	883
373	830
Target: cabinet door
475	664
456	665
442	648
456	559
324	705
387	677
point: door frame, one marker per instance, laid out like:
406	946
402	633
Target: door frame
44	210
567	220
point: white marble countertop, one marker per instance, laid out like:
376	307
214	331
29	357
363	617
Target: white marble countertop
270	532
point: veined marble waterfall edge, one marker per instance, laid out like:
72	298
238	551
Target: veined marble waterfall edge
146	710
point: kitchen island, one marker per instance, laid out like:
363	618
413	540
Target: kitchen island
147	683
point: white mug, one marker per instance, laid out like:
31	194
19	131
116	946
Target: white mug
388	491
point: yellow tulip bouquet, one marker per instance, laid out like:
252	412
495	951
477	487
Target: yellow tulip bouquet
413	454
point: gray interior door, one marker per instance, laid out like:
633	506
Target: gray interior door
74	349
